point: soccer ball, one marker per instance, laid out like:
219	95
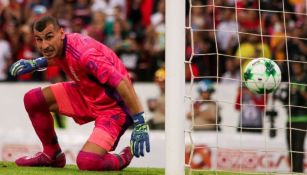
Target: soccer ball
262	75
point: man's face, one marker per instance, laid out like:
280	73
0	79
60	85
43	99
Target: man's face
205	95
49	41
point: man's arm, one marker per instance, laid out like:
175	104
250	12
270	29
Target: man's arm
106	73
128	94
139	136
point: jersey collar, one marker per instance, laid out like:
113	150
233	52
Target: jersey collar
64	47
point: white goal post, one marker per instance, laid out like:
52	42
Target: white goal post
175	84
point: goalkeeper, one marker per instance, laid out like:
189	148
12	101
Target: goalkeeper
100	91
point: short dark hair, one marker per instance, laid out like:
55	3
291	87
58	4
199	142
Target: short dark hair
42	23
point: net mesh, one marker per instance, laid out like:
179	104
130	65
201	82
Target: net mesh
248	133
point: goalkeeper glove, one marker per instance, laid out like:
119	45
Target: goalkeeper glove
139	135
26	66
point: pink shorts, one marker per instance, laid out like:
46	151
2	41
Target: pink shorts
108	128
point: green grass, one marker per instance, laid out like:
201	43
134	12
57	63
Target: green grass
10	168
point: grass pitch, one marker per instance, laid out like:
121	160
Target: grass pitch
10	168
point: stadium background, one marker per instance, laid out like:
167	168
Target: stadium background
135	30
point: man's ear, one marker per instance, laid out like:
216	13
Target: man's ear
62	33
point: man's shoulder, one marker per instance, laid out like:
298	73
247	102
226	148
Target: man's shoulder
84	41
84	47
75	37
81	43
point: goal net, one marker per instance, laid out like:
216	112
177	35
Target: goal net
228	128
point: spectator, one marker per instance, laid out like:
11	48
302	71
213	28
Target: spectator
2	5
206	111
156	29
226	31
138	14
158	17
232	73
116	29
155	32
14	9
252	48
5	56
109	7
296	45
276	29
82	10
252	111
77	26
115	39
97	26
35	9
157	105
248	19
203	64
199	19
297	120
130	55
65	13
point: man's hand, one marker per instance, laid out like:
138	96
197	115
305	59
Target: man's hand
139	135
26	66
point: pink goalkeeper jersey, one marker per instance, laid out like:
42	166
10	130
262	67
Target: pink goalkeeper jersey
97	70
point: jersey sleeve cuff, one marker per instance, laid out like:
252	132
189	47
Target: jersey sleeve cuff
115	79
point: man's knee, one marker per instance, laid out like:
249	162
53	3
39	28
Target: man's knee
95	162
33	99
40	100
86	161
81	163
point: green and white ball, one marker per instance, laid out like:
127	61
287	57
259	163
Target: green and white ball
262	75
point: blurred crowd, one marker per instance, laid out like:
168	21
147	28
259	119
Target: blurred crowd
245	29
135	30
222	39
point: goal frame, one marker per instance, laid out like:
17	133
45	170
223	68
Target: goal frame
175	87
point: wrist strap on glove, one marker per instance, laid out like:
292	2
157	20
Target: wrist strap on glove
41	63
139	118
